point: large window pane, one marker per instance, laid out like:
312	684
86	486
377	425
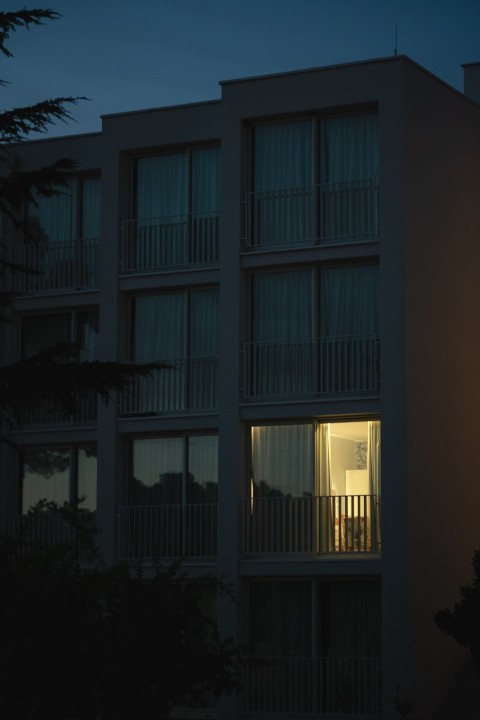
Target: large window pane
52	218
157	467
46	476
282	460
162	186
91	208
87	477
281	618
203	469
40	332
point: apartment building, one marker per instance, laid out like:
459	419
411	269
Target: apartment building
305	256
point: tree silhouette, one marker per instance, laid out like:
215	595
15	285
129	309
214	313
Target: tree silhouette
53	378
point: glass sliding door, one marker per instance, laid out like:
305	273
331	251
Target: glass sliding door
172	498
204	205
281	356
348	352
283	179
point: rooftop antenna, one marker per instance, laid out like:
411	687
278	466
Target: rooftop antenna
396	39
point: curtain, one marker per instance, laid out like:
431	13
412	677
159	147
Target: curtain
87	477
324	511
349	148
52	217
354	614
348	176
205	180
88	335
374	475
348	328
162	186
91	208
282	306
281	618
282	460
283	180
159	327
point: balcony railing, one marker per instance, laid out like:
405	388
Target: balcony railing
313	687
311	367
327	213
43	530
85	412
187	384
167	531
312	525
170	242
56	266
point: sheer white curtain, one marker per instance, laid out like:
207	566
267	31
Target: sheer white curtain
282	460
282	306
91	208
283	178
52	217
349	148
349	176
374	473
348	301
205	180
203	322
162	186
159	327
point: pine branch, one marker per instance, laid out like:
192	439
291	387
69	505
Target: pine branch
11	21
17	124
54	377
19	188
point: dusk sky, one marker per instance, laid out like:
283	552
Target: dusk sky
127	55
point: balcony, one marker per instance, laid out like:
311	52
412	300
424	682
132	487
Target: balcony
167	243
189	384
44	529
167	532
56	266
333	525
313	687
42	414
327	213
312	367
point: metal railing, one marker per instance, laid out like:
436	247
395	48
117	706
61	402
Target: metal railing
55	266
313	686
167	531
44	530
312	525
326	213
187	384
169	242
43	413
310	367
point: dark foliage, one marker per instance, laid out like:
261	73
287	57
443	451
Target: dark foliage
53	378
463	622
99	644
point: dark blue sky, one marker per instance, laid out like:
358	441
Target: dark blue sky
135	54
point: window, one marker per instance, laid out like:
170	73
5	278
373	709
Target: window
314	331
62	243
322	642
59	475
314	488
42	332
176	210
181	330
172	498
314	180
